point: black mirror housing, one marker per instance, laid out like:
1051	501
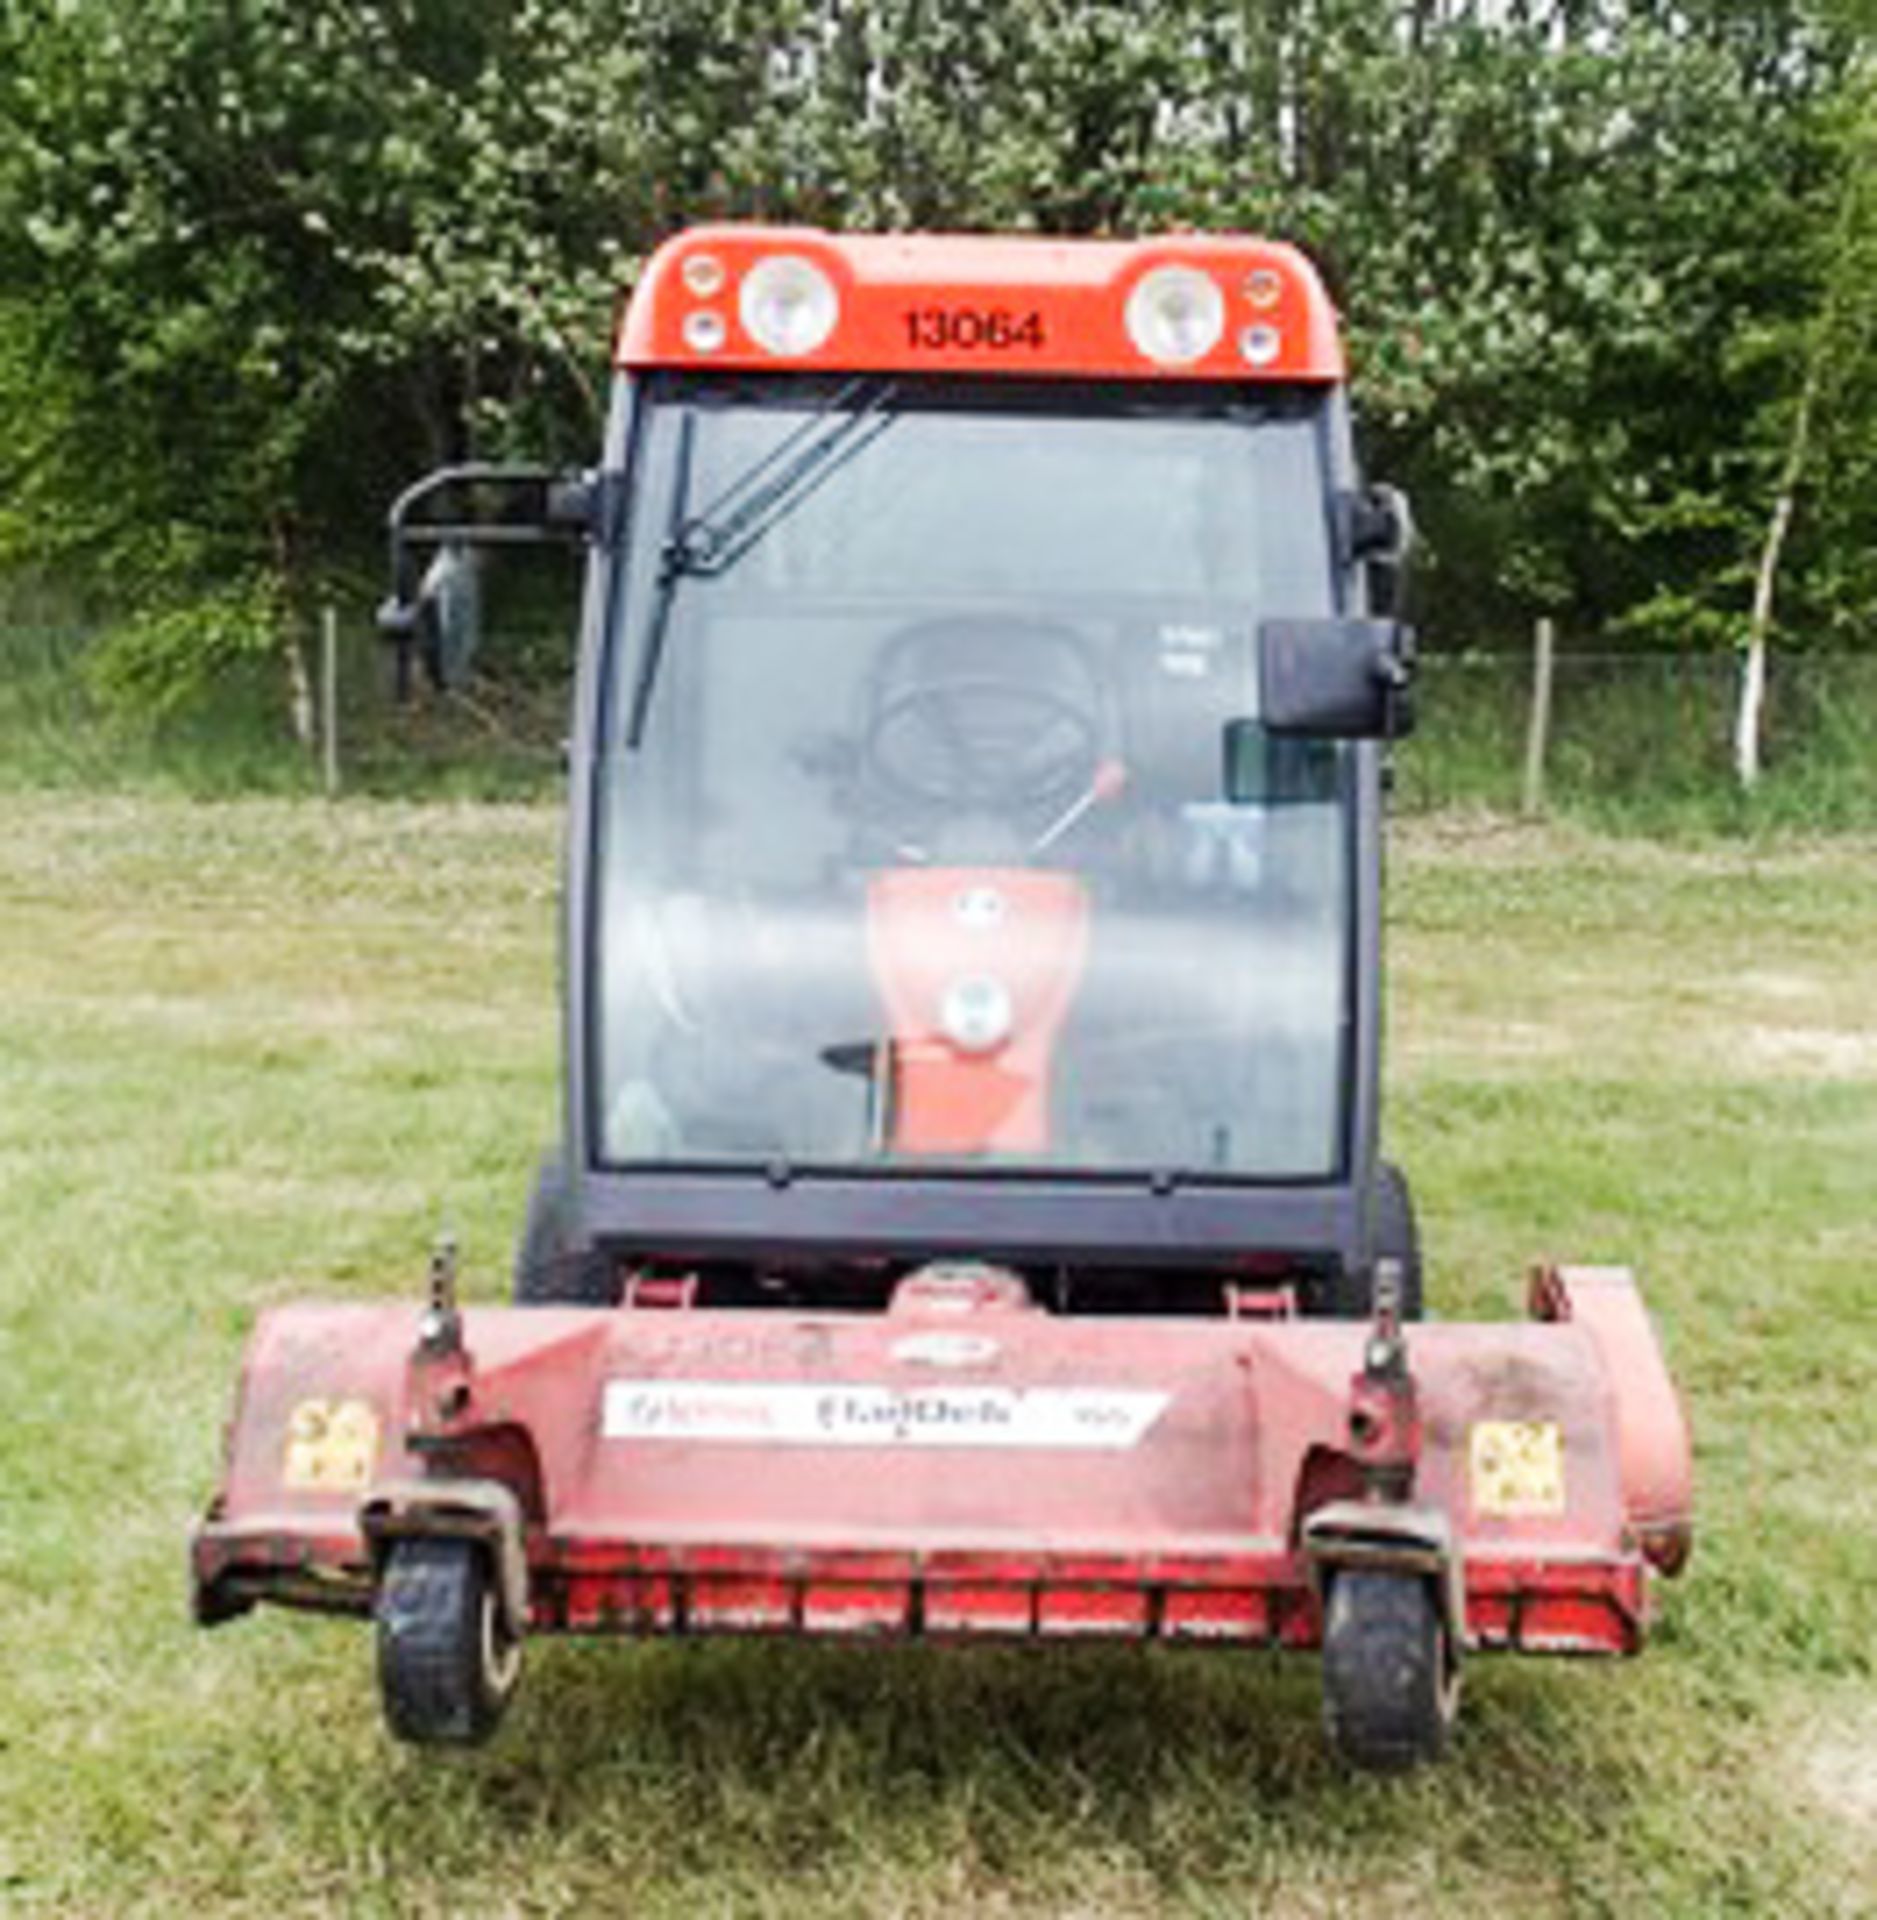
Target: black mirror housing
1336	679
1376	524
437	614
449	613
1375	528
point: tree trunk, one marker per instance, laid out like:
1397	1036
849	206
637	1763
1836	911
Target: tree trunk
299	692
1747	714
299	679
1824	355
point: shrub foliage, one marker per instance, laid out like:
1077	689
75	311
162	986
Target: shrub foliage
261	262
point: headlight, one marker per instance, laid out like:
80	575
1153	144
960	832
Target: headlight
788	305
975	1014
1175	315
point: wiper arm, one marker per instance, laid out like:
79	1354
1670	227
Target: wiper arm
712	541
665	585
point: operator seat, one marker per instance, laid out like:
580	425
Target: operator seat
977	731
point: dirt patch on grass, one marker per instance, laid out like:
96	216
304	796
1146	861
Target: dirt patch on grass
1486	1040
1830	1053
1783	987
1475	837
1838	1763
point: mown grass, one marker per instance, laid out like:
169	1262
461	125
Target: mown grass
251	1050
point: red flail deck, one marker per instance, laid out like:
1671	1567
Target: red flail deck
966	1464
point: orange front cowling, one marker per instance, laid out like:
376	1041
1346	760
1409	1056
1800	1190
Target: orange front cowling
978	967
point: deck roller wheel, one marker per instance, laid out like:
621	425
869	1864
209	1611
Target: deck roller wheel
1391	1686
447	1661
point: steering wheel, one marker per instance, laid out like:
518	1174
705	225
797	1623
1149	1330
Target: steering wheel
984	714
982	743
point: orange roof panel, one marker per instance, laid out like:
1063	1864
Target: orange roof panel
1020	305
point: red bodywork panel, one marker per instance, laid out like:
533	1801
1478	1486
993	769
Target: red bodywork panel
1016	935
964	1463
976	303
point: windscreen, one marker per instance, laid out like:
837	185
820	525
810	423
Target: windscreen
913	844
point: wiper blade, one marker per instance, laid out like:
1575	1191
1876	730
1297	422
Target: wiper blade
667	581
712	541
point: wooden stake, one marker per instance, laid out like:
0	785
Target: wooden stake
1538	733
329	698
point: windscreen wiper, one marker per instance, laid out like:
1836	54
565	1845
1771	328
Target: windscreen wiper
711	542
665	584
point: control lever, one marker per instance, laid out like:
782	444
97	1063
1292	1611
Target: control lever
1109	783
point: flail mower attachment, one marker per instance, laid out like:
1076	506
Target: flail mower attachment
963	1465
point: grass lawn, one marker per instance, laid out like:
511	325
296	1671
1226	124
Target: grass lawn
262	1048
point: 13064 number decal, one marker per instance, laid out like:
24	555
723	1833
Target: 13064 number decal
998	328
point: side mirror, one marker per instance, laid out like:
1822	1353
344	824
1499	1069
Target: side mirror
449	613
1377	526
441	621
438	614
1337	679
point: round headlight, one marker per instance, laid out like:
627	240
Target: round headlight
1175	315
975	1014
788	305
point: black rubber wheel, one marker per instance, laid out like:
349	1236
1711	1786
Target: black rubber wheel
447	1663
1391	1687
549	1272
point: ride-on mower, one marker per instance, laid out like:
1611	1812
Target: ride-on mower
968	1218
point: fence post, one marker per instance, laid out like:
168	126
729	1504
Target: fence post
329	698
1538	732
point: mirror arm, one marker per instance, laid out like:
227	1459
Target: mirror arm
1373	523
586	506
575	507
1395	668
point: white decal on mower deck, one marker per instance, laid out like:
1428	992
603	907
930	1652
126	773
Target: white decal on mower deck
803	1414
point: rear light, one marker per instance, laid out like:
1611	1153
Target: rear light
1176	315
788	306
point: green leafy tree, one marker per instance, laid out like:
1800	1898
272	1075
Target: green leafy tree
261	261
1829	349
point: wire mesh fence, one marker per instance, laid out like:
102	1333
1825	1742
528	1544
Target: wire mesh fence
1628	731
1642	728
260	723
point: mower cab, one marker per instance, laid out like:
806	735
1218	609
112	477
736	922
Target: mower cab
972	1038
